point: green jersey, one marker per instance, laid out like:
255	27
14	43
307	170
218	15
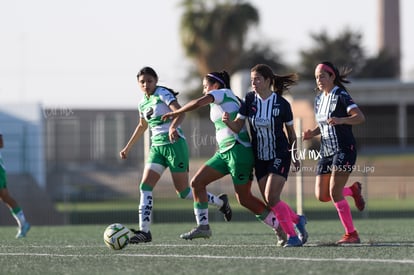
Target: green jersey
152	108
226	101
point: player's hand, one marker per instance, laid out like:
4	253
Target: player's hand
173	135
169	115
307	135
334	121
225	117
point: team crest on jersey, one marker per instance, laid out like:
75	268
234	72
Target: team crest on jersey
148	113
333	103
276	110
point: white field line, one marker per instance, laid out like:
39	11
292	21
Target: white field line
138	255
396	244
389	261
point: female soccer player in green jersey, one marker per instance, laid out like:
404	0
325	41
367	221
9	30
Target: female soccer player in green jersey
234	157
168	149
15	209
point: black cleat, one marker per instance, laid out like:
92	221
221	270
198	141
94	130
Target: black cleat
140	237
226	209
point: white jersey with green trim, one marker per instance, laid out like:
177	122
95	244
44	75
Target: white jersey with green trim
152	108
226	101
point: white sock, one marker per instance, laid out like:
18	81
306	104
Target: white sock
271	220
201	216
20	218
145	210
212	199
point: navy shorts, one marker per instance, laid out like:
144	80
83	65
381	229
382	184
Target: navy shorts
343	161
279	166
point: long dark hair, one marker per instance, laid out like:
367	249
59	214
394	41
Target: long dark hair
150	71
279	83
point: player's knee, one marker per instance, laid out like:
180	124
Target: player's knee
323	198
196	184
244	198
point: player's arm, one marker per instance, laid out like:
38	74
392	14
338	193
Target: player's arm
235	125
310	133
355	116
190	106
138	132
173	134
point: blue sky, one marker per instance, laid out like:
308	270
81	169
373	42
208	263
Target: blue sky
86	53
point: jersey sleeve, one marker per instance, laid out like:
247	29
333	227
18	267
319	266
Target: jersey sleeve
347	100
288	114
217	96
166	96
245	105
242	114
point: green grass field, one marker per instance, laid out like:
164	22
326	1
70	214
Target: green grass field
176	210
235	248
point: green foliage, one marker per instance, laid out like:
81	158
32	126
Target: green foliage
213	35
384	65
261	53
344	50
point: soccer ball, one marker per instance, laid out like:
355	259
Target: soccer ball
116	236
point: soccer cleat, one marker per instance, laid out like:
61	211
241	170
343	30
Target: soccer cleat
349	238
225	209
293	242
201	231
300	226
21	233
357	195
140	237
281	236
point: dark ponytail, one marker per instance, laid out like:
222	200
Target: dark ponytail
278	83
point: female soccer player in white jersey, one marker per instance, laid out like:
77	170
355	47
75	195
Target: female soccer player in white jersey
267	113
234	157
335	113
168	149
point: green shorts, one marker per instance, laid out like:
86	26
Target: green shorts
238	162
174	155
3	179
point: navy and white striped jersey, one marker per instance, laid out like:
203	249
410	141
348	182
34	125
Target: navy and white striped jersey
266	119
337	103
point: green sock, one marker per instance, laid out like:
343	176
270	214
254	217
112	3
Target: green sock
185	194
